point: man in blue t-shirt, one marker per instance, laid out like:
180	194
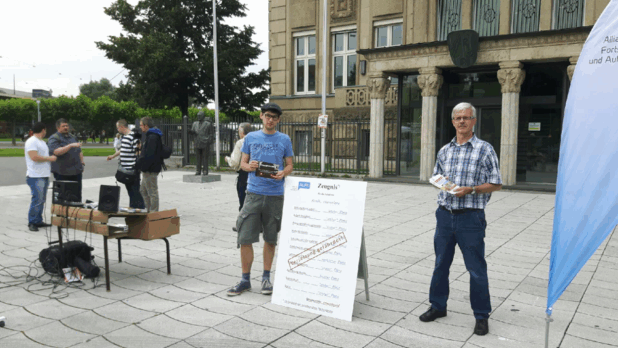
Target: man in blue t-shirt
262	150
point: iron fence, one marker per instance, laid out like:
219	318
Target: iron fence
347	144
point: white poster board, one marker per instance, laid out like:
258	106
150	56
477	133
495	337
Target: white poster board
319	246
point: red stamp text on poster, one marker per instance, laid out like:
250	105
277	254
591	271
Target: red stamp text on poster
317	250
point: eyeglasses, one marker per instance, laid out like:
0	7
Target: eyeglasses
459	119
272	117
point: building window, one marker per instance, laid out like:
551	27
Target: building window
388	33
344	59
304	66
303	142
449	17
487	17
526	14
568	14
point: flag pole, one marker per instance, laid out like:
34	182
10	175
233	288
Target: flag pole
547	320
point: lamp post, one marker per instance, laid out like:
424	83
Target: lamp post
38	109
216	73
324	57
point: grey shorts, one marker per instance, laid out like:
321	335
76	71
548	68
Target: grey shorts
259	213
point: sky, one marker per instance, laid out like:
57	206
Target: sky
51	44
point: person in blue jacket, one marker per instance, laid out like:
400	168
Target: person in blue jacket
150	163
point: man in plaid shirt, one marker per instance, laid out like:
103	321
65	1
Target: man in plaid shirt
472	164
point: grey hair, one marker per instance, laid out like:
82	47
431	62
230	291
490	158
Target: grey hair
246	127
463	106
123	123
147	121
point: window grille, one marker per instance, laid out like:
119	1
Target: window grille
487	17
568	13
449	17
526	14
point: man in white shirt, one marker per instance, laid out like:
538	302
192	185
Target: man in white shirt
37	174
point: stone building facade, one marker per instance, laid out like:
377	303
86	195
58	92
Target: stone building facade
389	62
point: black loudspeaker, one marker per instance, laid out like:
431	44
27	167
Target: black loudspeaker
64	192
109	198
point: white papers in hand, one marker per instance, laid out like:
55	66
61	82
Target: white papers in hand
443	183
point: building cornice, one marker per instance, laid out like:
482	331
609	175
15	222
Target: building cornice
539	38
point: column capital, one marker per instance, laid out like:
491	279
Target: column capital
571	68
511	76
378	85
430	71
430	80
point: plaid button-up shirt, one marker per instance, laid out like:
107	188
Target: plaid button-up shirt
472	164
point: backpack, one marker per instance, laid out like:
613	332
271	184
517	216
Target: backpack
166	151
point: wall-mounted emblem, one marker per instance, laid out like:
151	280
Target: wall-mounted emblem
463	45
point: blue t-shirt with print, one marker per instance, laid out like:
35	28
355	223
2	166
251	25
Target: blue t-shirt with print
271	148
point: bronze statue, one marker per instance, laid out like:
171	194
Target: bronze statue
202	128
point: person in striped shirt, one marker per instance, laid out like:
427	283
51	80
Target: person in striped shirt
128	156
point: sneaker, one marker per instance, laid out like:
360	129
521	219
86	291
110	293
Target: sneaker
267	287
239	289
32	227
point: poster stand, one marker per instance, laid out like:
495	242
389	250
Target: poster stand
363	271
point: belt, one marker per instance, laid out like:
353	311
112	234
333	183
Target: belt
459	211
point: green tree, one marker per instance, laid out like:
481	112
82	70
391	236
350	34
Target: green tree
96	89
17	110
168	53
105	113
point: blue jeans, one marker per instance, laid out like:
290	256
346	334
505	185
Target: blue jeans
38	187
135	197
468	230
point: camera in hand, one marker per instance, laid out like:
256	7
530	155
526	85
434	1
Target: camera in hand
266	170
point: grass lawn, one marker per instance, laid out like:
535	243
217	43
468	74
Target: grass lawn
87	152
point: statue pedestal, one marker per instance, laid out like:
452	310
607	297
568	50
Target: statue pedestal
200	179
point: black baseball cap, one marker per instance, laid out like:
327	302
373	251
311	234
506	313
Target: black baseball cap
272	107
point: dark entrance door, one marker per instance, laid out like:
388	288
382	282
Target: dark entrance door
483	91
541	108
489	126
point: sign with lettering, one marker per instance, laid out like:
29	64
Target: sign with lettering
534	126
319	246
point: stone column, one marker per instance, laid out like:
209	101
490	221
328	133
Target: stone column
571	68
378	86
511	76
430	80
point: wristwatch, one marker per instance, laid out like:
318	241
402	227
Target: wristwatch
473	190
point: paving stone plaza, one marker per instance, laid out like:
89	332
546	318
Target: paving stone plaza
190	308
